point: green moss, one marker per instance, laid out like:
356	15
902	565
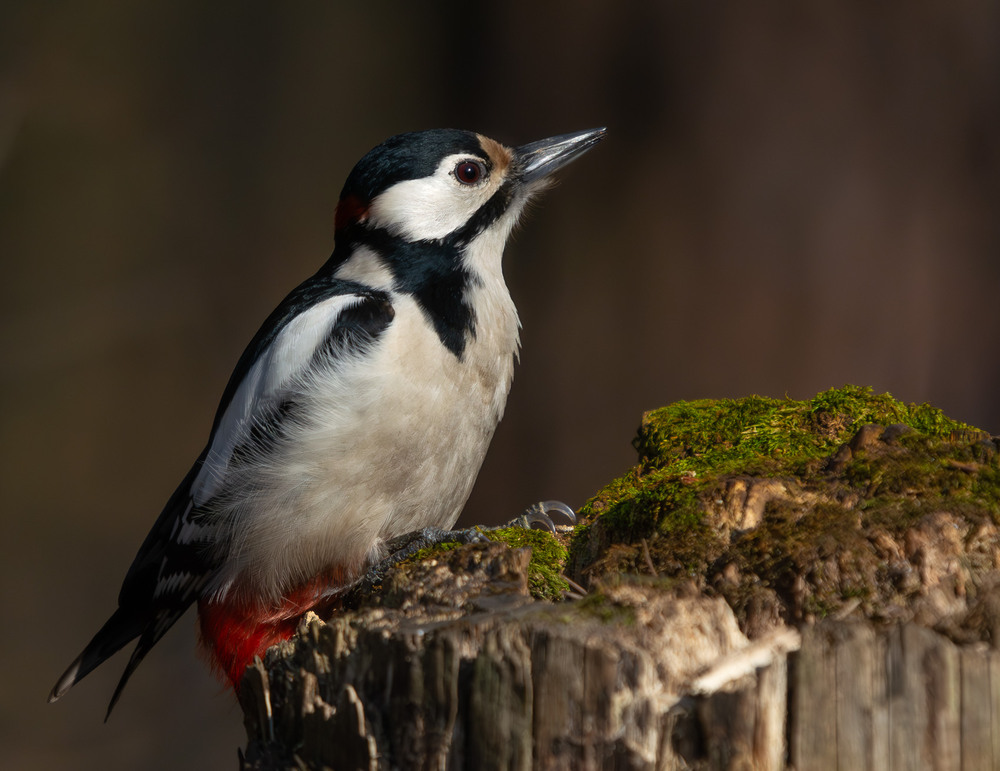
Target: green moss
815	547
773	435
599	606
986	487
548	559
684	447
431	551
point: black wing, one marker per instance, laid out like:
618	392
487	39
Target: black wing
169	571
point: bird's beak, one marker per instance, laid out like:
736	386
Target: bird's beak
541	158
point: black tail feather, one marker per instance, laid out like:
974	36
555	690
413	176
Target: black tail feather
152	631
155	593
138	654
117	632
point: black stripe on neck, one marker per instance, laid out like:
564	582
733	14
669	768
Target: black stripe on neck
433	271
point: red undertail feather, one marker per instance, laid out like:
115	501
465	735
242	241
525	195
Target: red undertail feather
234	631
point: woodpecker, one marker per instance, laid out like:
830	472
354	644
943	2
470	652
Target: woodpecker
360	411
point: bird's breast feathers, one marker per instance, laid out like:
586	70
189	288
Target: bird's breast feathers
344	434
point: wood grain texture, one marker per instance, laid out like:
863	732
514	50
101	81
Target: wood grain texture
640	675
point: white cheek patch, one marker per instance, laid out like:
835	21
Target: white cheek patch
431	207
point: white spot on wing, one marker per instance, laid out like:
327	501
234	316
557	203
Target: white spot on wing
284	360
171	583
193	531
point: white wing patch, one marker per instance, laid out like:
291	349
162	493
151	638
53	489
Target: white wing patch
284	360
171	583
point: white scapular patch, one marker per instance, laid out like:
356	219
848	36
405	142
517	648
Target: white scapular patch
285	359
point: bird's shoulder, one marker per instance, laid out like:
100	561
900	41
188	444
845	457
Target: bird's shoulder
319	311
320	323
322	316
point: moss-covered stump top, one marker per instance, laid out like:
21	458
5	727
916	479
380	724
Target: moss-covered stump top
851	502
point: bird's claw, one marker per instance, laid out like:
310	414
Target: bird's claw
538	514
402	547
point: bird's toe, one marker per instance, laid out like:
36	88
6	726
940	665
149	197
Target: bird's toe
538	516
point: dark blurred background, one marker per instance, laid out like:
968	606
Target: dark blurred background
790	197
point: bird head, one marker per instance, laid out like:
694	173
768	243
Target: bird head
446	184
428	214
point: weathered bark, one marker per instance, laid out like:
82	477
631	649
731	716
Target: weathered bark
906	699
499	681
639	676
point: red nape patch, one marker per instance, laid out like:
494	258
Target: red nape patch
234	632
350	211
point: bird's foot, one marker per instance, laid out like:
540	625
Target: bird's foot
537	516
402	547
408	544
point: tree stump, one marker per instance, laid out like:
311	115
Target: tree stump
776	584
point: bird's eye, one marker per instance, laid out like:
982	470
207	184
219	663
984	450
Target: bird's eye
469	172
